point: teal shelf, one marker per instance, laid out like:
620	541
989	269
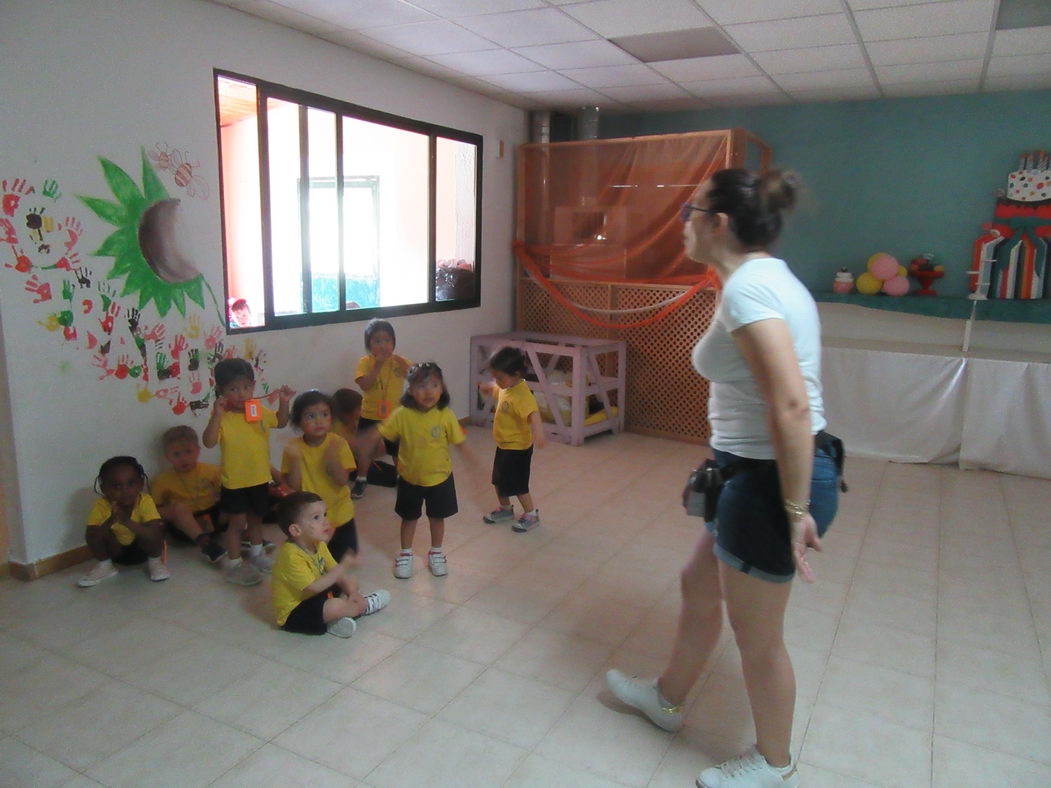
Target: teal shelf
955	307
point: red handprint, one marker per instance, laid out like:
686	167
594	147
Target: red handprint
156	334
102	362
22	263
123	367
73	230
178	346
107	321
179	407
10	235
42	290
66	263
70	333
14	191
213	338
195	383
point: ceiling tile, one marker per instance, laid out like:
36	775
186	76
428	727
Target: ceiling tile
487	61
677	45
572	99
1018	82
822	80
613	18
615	76
451	9
861	5
961	46
697	68
752	100
276	12
1027	41
930	72
422	65
635	93
360	13
1020	64
360	43
930	19
797	61
429	38
528	28
739	86
836	94
810	31
911	89
672	104
728	12
531	83
579	54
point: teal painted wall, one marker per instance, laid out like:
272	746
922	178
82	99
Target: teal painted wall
904	176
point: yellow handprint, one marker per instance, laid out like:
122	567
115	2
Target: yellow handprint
145	395
193	326
51	324
249	348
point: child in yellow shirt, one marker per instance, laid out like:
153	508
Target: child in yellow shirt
187	494
123	526
381	377
306	578
424	425
517	428
320	461
241	426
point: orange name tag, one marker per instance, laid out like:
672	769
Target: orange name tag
383	410
253	410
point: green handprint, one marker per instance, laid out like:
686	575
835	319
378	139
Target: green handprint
67	290
51	189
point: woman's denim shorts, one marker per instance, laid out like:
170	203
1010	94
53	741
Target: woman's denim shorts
751	528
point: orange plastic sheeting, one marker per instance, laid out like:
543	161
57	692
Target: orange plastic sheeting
707	280
609	209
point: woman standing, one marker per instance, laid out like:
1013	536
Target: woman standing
762	355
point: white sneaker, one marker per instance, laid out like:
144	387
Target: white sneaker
749	770
262	562
644	696
158	571
343	627
241	574
376	601
99	572
403	566
437	564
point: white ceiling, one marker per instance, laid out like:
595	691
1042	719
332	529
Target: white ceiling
556	54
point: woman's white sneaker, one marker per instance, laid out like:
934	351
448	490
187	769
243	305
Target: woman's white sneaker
642	694
749	770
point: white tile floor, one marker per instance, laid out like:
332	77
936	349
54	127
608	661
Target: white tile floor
922	653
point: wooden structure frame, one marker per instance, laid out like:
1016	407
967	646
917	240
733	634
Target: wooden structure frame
595	366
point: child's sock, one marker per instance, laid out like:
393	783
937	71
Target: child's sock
405	551
436	551
256	549
535	512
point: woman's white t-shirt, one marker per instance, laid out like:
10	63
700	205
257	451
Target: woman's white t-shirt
761	289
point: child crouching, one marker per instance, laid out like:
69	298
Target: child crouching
306	578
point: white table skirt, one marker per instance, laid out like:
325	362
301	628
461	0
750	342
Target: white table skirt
940	406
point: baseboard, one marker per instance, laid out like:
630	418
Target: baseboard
46	566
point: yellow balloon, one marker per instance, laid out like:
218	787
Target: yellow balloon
903	271
867	284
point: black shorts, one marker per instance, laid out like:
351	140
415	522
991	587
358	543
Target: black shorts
511	471
211	514
308	617
440	499
344	538
130	555
392	446
245	500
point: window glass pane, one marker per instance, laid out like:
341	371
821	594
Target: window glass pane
239	138
323	211
393	263
456	220
286	248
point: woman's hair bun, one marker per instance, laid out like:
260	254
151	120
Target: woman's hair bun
779	189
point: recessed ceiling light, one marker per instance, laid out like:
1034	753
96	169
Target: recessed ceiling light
676	44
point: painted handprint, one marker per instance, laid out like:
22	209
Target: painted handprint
13	192
66	262
83	277
9	234
50	189
216	355
107	320
123	367
67	291
133	320
178	346
42	290
156	334
194	359
73	230
161	366
22	262
193	326
213	338
198	405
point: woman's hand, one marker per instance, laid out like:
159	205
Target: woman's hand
804	536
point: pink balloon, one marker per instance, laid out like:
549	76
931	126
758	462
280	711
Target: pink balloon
896	286
883	266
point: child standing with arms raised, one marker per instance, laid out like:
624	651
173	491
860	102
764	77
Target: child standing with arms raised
320	461
517	429
241	426
424	425
381	377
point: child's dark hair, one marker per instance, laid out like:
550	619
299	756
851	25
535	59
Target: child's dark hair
183	433
304	401
509	360
378	324
345	402
291	506
230	369
753	202
115	462
417	374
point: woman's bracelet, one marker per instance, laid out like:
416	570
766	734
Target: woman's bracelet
796	511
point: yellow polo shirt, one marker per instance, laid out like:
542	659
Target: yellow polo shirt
511	422
293	571
197	488
388	386
145	511
423	452
316	479
245	448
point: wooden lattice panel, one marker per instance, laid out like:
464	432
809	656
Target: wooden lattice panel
664	395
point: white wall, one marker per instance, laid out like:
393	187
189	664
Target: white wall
90	78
